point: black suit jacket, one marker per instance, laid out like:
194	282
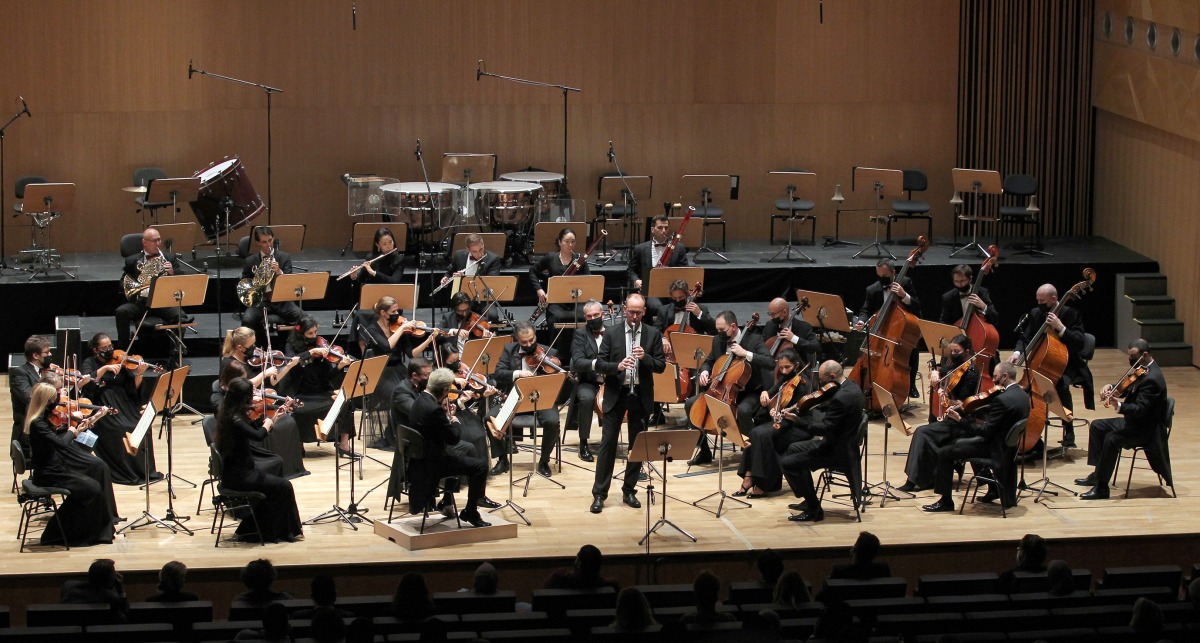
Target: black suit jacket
584	350
489	266
1072	337
839	428
664	316
1010	407
404	396
282	258
20	384
429	419
874	299
760	362
806	343
1145	404
641	261
512	360
952	307
613	349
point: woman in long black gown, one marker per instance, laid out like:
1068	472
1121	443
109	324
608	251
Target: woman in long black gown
400	345
312	381
116	386
87	515
278	516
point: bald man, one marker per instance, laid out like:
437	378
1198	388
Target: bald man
791	329
130	312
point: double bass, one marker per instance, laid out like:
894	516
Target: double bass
984	336
892	336
683	383
730	376
1047	354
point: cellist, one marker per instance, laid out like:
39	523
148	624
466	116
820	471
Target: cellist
926	440
902	289
673	311
754	351
1068	326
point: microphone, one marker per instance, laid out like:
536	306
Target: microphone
478	70
418	148
354	16
190	70
611	154
1021	324
25	107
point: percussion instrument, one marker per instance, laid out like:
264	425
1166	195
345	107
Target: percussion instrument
422	206
218	182
552	188
510	204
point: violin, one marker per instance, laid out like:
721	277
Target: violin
131	362
475	325
540	361
977	401
271	358
1121	387
269	405
417	329
335	354
69	375
819	396
475	382
73	411
786	391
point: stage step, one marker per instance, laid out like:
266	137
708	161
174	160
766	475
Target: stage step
1143	283
1153	306
1160	330
1173	353
1145	310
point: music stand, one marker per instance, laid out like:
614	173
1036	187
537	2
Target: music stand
883	183
181	234
575	289
706	185
826	314
891	417
1053	405
937	336
487	289
532	391
163	192
45	202
721	420
804	184
545	233
299	288
133	443
177	291
363	239
623	193
460	168
977	183
662	278
655	445
404	294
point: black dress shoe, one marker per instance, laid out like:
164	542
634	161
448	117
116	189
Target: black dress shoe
1097	493
939	506
913	392
446	507
474	519
703	458
597	505
487	503
907	487
989	497
585	453
501	467
808	516
631	500
799	506
1089	481
543	469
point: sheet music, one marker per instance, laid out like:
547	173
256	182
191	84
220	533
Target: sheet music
143	425
508	409
331	416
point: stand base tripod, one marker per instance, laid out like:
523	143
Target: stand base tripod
171	522
720	483
509	447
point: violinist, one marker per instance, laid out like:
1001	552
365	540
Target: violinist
21	380
239	347
152	254
554	264
474	389
646	255
1143	412
280	264
758	360
519	360
902	289
673	311
926	440
312	382
1007	407
791	329
837	449
1068	326
460	317
957	300
759	469
115	384
281	452
277	517
386	270
585	348
630	354
87	514
391	335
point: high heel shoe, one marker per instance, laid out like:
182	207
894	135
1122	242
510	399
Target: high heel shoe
743	491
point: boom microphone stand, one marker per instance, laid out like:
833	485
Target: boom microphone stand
3	205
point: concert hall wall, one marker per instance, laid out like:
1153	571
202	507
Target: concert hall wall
679	86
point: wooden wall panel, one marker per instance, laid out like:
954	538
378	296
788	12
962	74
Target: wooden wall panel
679	85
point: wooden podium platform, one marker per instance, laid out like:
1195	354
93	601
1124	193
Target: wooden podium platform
441	531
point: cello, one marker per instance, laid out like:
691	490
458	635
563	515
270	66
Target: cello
984	336
730	376
1047	354
683	383
892	336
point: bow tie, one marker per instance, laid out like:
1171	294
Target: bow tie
660	245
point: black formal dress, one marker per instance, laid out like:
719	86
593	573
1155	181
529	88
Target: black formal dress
645	256
288	311
632	394
926	440
395	370
1143	413
132	311
585	348
749	411
315	382
440	460
120	392
20	385
512	360
1076	370
1009	407
86	516
281	452
837	448
954	302
278	517
540	272
768	444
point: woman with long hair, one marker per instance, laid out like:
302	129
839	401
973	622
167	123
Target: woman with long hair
279	453
114	384
388	270
278	516
554	264
312	382
239	347
86	516
388	336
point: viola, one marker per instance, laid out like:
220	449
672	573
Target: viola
475	325
269	405
977	401
131	362
68	410
69	375
540	361
940	393
475	382
416	329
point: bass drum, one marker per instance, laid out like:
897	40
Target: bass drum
219	182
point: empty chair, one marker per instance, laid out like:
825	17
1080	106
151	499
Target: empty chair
667	595
1003	619
1057	635
957	584
909	208
967	602
1023	212
472	603
1168	576
55	634
795	207
745	592
55	614
1026	582
556	602
546	634
182	615
504	621
844	589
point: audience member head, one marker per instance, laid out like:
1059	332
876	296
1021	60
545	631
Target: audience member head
327	626
633	611
791	590
766	625
770	566
1147	616
103	573
412	600
323	590
1060	578
171	577
587	562
866	548
258	575
486	579
1031	553
706	590
275	623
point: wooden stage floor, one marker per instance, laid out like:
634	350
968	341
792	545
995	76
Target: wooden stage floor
561	521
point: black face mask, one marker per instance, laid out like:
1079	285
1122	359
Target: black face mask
681	304
958	359
310	341
1045	308
106	355
885	281
530	349
454	366
421	384
393	318
596	325
1134	359
964	289
45	361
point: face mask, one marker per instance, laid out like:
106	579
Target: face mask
454	366
393	318
421	384
885	281
1045	308
106	354
964	289
46	361
1133	360
596	325
681	304
530	349
310	341
958	359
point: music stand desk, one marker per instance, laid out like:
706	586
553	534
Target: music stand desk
651	446
574	289
172	192
937	336
364	235
300	287
662	278
290	238
503	287
825	312
546	232
691	345
404	294
183	234
473	352
171	291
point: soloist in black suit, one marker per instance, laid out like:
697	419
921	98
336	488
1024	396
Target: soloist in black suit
129	312
285	310
1143	413
1010	407
837	449
620	399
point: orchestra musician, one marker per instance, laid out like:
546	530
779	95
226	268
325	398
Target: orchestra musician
1143	413
391	335
311	382
758	360
926	440
470	410
585	348
759	469
554	264
156	262
460	318
1068	326
837	448
239	347
629	356
280	263
114	384
514	364
792	329
386	270
279	453
885	270
671	313
646	255
440	430
21	380
956	300
475	260
1009	407
403	397
87	514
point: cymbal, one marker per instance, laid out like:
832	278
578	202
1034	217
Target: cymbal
136	189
